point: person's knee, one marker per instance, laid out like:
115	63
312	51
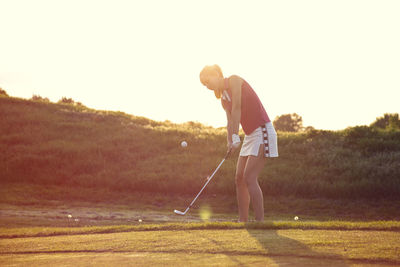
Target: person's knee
239	179
250	180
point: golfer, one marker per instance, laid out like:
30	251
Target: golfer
243	106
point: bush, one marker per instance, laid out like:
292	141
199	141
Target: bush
372	140
65	100
54	144
70	101
354	133
388	122
39	98
3	92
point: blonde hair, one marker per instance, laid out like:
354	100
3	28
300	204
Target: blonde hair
211	70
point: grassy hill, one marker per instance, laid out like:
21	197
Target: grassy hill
72	146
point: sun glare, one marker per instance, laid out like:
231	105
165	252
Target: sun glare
144	58
205	212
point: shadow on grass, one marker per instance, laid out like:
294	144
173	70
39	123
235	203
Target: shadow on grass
285	251
277	250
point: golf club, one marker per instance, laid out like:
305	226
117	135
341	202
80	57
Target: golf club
208	180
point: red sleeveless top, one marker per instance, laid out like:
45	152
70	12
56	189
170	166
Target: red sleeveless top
253	114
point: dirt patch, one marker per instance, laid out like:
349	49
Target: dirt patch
20	216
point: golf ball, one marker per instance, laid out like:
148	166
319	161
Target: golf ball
140	220
184	144
296	218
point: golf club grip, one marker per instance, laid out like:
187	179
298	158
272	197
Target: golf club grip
228	153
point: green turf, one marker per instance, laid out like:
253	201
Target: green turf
331	225
218	244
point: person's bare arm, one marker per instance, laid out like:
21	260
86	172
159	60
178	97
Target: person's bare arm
235	83
228	128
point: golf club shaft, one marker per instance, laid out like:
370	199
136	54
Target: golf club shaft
206	183
208	180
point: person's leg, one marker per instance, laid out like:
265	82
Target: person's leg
254	166
242	194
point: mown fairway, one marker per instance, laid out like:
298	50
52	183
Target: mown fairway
117	235
206	244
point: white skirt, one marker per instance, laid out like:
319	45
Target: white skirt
264	135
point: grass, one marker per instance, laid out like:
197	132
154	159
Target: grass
111	234
206	244
24	232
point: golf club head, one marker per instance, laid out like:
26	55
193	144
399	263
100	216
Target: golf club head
179	212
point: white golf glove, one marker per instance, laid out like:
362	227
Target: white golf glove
235	141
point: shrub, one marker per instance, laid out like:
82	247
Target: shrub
3	92
388	121
354	133
372	140
70	101
39	98
53	144
65	100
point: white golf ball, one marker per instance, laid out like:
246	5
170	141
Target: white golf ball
184	144
296	218
140	220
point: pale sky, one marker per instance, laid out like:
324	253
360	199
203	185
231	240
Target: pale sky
335	63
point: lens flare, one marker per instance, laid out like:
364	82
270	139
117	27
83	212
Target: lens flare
205	213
